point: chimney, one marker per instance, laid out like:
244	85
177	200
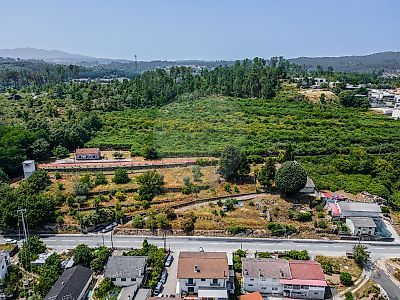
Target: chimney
246	272
282	274
196	268
259	273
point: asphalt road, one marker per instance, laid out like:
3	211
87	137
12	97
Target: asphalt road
391	288
177	244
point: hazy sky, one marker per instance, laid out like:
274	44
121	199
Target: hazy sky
202	29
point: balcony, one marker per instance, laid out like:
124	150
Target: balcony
187	283
215	284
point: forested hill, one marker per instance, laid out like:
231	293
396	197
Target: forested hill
388	61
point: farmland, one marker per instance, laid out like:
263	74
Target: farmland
205	126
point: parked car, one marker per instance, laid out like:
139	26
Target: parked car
158	289
10	241
164	276
169	260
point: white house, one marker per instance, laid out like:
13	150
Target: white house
126	270
263	275
4	264
278	277
87	154
359	209
28	167
205	275
361	225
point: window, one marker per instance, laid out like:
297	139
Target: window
203	279
133	279
274	288
190	280
273	279
215	281
190	290
250	285
251	279
113	279
123	279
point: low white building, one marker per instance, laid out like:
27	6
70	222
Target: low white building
205	275
4	264
126	270
358	209
361	226
263	275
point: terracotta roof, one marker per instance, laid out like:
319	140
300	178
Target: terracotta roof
251	296
306	270
265	267
209	265
87	151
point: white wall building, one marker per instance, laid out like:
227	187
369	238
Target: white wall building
361	225
28	167
359	209
205	275
4	264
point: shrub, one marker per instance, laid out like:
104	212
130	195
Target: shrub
295	254
236	229
120	176
348	296
227	188
150	152
304	216
196	171
57	175
150	185
345	279
279	229
100	179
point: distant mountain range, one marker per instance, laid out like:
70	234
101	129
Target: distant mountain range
54	56
388	61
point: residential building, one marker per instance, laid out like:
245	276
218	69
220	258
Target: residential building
72	284
29	167
309	188
329	197
263	275
358	209
205	274
361	225
307	282
319	81
126	270
278	277
4	264
87	153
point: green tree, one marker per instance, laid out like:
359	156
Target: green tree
394	200
105	286
361	255
60	152
40	149
230	162
348	296
49	274
138	221
266	175
346	279
100	179
150	152
196	171
163	222
187	186
3	177
150	185
289	153
83	255
188	224
120	176
291	177
30	251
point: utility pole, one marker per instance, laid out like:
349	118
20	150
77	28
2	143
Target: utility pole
136	65
112	243
22	212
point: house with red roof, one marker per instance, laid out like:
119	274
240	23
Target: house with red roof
87	154
299	279
307	282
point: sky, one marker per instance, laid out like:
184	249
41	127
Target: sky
202	29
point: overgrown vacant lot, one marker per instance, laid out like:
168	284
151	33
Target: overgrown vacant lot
205	126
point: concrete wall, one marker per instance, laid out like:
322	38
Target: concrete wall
127	282
198	282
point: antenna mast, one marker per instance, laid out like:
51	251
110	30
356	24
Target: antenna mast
136	65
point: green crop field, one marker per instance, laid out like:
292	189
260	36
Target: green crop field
206	126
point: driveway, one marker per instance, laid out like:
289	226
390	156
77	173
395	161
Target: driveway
170	285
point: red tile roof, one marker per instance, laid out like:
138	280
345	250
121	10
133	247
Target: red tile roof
251	296
203	265
87	151
306	270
